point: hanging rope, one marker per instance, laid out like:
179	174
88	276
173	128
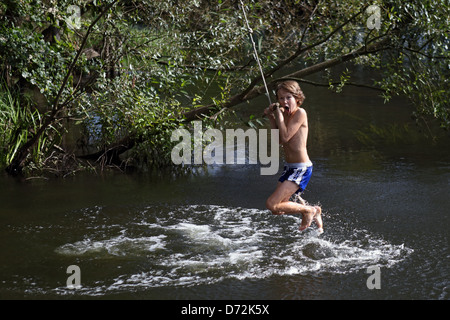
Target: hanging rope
255	52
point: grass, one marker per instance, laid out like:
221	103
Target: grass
17	122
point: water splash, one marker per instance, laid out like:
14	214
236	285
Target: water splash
116	246
204	244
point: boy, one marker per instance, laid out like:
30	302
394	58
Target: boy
292	123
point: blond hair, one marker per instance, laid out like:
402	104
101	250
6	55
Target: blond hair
292	87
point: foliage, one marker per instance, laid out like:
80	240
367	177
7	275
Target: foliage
19	120
128	72
419	66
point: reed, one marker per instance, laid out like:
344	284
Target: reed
18	121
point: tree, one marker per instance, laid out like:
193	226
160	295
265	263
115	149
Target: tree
125	70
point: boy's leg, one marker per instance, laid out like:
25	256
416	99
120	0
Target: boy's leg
279	202
281	194
318	219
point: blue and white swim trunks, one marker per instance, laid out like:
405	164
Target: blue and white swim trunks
299	173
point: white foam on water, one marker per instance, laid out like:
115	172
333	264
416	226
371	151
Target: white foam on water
206	244
116	246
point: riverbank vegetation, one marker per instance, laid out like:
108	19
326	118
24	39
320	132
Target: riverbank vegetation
94	84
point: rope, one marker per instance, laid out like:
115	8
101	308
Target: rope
255	53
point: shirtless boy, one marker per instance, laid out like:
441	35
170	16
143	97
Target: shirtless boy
292	122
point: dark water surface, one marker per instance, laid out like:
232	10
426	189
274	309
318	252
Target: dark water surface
384	189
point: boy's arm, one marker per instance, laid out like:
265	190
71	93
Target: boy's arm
287	132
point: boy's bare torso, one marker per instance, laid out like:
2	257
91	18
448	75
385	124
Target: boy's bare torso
295	150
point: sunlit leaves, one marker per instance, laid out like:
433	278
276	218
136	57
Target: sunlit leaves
156	59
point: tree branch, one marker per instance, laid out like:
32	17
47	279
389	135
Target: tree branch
200	112
318	84
301	49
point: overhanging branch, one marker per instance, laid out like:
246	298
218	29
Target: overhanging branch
255	92
318	84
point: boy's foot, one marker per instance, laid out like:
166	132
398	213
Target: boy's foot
318	219
308	218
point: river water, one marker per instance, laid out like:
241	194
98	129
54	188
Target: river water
383	187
